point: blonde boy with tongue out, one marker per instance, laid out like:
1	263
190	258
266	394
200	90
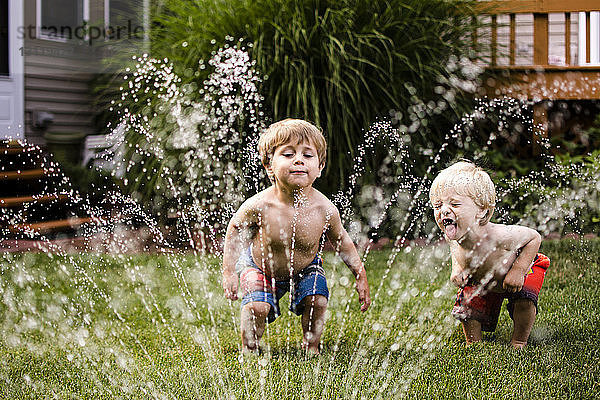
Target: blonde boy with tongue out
490	262
275	240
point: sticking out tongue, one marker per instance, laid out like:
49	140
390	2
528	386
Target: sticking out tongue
450	231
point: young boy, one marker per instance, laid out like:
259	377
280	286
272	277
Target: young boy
490	262
274	241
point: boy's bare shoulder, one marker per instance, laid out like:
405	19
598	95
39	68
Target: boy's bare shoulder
256	203
322	203
513	235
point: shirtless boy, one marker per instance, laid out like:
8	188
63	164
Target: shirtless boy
275	240
490	262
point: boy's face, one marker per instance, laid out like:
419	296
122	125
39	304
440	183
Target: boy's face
295	166
455	214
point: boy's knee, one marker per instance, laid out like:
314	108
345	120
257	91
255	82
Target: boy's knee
524	304
524	307
317	302
258	309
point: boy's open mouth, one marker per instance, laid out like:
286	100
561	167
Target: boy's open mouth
449	227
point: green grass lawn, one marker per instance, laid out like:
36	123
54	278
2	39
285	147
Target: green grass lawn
148	326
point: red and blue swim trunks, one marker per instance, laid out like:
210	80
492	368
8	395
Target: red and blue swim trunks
256	286
472	303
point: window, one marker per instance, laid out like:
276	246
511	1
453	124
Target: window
127	19
60	19
4	70
123	11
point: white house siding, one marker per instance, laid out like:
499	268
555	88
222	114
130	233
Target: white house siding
57	78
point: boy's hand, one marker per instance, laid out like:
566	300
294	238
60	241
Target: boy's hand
513	281
459	278
230	285
364	296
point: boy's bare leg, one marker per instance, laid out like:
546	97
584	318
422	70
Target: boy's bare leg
472	330
313	321
523	317
254	317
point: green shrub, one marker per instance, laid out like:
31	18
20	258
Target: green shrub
563	199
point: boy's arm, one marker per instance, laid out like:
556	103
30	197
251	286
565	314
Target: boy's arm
236	239
341	241
515	277
458	275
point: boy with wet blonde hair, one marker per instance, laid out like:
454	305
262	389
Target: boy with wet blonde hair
490	262
275	240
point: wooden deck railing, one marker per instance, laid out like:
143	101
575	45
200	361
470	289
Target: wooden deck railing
542	81
540	10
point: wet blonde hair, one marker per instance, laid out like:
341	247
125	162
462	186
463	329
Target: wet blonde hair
294	131
466	179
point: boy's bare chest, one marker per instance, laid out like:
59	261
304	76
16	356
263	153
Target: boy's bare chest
301	227
496	260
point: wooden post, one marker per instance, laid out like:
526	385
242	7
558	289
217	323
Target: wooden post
540	39
588	37
513	39
494	39
568	38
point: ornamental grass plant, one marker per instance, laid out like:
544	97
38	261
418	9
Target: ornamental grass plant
340	64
